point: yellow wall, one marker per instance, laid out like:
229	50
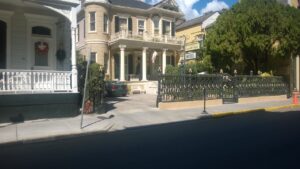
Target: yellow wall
191	34
295	3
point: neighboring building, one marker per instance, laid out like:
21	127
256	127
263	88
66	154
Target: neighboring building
194	33
37	58
130	38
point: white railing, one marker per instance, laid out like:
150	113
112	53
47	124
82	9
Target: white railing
144	36
34	81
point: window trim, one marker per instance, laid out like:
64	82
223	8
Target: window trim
95	57
170	21
159	26
92	31
123	17
145	24
107	24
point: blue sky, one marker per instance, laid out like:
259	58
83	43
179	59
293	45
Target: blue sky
194	8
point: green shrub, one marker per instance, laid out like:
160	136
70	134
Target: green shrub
95	83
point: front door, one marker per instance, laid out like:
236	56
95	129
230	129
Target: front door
3	45
42	53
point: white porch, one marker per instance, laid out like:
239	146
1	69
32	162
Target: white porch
37	46
34	81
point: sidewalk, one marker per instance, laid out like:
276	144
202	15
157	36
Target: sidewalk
119	119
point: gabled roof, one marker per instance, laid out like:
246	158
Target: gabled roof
195	21
168	4
131	3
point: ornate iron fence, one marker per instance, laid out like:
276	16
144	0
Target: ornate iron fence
172	88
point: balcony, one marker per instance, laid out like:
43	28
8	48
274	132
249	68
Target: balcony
34	81
145	37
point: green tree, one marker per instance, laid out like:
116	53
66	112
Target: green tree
251	34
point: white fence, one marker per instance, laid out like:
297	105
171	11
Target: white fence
144	36
34	81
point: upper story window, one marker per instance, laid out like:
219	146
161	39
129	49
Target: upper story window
92	21
141	26
123	23
105	23
168	28
41	31
155	20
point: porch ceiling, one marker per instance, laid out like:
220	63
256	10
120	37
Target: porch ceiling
141	44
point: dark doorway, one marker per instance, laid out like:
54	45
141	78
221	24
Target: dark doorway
2	45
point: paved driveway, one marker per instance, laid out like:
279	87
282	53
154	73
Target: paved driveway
131	103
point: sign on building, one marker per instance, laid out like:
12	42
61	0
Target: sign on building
190	55
192	46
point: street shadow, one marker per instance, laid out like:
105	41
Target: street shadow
254	140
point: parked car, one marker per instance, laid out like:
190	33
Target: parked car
116	89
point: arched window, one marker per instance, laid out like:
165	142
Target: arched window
40	30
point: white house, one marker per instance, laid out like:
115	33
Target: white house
37	49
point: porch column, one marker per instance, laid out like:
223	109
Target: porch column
73	52
122	62
164	61
297	73
144	64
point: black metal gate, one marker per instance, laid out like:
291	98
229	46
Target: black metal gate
230	92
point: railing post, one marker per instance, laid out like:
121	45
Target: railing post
204	101
158	99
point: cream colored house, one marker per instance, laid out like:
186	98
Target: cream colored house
131	39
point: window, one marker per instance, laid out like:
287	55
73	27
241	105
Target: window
41	53
123	24
40	30
78	33
106	62
93	57
105	23
155	20
84	28
92	21
166	27
141	26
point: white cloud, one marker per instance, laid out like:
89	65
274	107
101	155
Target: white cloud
214	5
186	7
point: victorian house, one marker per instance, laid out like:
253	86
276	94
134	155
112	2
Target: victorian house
37	55
131	39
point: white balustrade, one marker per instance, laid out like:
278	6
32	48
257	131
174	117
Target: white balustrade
34	81
129	35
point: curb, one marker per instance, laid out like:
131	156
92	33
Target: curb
55	137
268	109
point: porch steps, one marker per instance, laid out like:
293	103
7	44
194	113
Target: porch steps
149	87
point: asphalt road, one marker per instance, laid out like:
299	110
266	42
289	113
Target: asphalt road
254	141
